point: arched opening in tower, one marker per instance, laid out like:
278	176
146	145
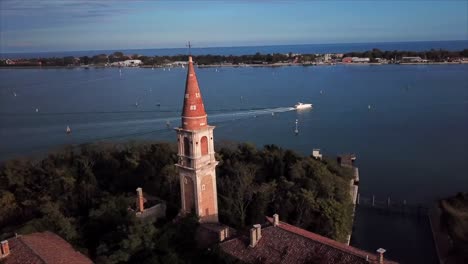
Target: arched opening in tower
204	145
186	147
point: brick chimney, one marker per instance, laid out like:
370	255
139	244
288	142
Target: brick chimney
258	231
223	234
381	251
140	200
5	249
276	220
253	237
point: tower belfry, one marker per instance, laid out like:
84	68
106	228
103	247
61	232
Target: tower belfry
196	156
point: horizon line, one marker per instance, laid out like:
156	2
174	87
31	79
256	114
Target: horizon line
240	46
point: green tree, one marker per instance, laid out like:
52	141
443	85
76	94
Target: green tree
237	192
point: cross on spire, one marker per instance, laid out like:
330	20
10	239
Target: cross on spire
189	45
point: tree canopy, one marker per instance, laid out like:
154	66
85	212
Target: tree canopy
83	194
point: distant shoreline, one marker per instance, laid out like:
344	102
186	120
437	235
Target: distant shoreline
236	66
419	45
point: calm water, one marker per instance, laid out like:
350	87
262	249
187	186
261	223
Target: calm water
411	144
304	48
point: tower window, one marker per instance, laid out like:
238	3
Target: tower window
203	187
197	95
193	107
185	180
187	96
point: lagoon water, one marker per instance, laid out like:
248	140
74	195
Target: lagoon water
411	144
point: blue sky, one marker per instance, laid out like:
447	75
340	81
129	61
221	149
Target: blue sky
42	25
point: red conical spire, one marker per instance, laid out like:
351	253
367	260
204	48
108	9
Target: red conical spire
193	113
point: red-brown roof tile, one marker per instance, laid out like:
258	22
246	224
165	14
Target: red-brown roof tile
292	245
193	113
43	248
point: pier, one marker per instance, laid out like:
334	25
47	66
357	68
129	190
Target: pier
391	206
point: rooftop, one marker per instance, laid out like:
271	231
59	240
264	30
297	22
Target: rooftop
42	248
288	244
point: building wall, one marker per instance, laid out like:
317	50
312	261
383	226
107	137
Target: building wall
188	194
197	168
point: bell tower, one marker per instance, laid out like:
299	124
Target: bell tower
197	163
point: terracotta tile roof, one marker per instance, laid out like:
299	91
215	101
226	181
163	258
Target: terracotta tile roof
43	248
193	112
292	245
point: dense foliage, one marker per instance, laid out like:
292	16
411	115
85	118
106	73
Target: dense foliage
83	194
454	219
438	55
303	191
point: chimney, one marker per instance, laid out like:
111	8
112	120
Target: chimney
253	237
140	201
381	251
258	231
275	219
5	249
224	234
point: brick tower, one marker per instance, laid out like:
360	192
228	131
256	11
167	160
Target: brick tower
197	164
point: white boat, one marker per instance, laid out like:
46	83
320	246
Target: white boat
300	106
68	130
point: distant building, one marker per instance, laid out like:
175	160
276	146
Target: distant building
360	60
127	63
347	60
346	160
40	248
316	154
177	63
412	59
381	60
23	62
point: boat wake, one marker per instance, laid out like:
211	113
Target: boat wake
130	124
247	113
